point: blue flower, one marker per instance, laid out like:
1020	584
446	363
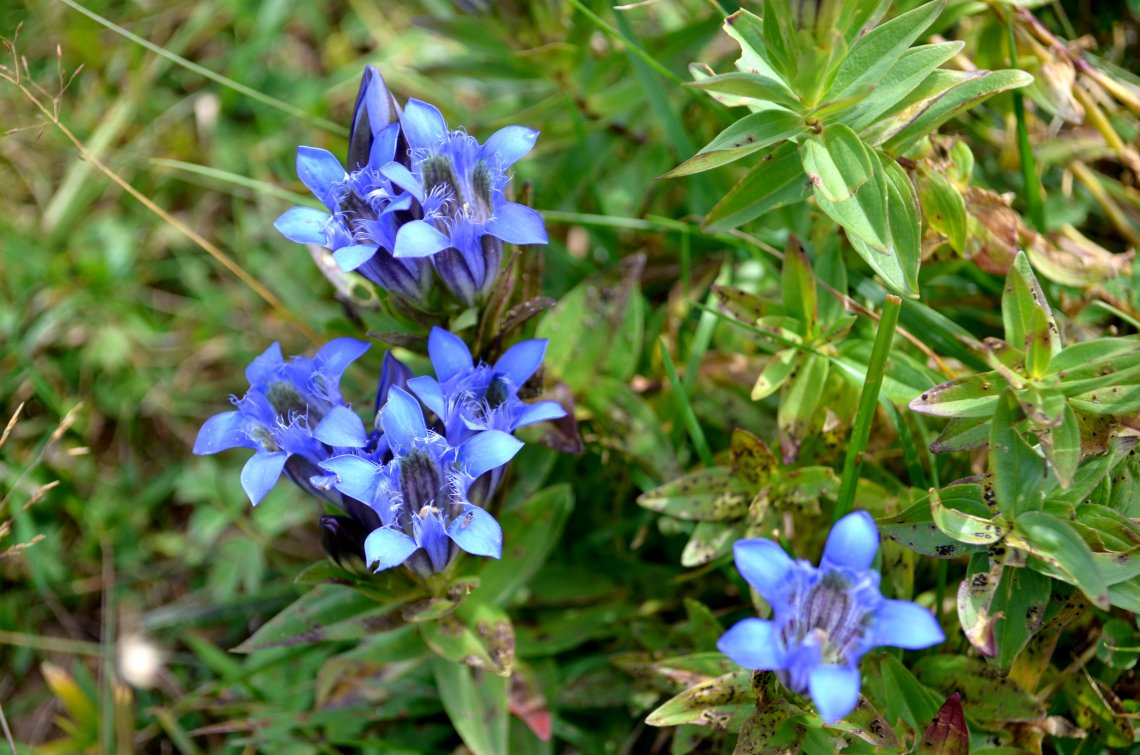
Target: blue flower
293	417
366	209
825	618
459	184
469	397
420	496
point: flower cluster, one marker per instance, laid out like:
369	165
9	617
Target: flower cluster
825	618
417	198
408	491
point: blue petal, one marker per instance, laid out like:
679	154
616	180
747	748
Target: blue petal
304	225
356	476
540	412
387	548
765	566
754	644
261	473
384	148
902	624
429	392
449	354
402	420
423	124
834	690
510	143
403	178
222	431
341	427
348	258
521	361
487	450
477	532
852	542
418	238
335	356
517	224
319	170
263	368
393	372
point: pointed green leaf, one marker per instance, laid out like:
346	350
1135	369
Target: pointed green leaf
705	495
797	286
721	703
962	434
1029	323
915	529
1056	542
531	530
750	134
798	404
1017	470
1020	602
476	703
968	523
972	396
710	541
777	180
750	88
1062	446
944	209
775	373
905	75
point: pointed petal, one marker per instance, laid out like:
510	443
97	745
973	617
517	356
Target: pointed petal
834	690
418	238
341	427
764	565
320	171
517	224
384	148
335	356
477	532
852	542
262	368
423	125
261	473
387	548
902	624
403	420
510	143
754	644
540	412
348	258
393	372
429	392
521	361
304	225
222	431
403	178
356	476
487	450
449	354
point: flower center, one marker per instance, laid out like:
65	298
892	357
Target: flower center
829	613
420	481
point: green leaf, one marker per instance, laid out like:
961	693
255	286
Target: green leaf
962	434
531	530
629	424
705	495
476	703
327	612
1062	446
915	529
910	70
748	86
838	164
873	54
975	525
1058	544
1020	602
798	404
722	703
944	209
777	180
939	98
750	134
1017	470
797	287
899	693
593	329
989	699
1118	645
973	396
709	541
975	596
1029	323
748	30
776	372
478	635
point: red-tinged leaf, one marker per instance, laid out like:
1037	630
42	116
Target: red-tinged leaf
947	734
525	700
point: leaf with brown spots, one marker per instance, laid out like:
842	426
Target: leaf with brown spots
947	734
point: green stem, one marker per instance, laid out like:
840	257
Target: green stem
685	409
861	432
1028	164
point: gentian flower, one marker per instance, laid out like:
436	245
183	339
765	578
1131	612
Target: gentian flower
469	397
293	417
420	496
825	618
367	209
459	184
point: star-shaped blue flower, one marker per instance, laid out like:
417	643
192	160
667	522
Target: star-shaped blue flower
825	617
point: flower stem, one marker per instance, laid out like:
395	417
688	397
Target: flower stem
685	409
861	431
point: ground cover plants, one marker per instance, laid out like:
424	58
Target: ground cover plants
558	431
